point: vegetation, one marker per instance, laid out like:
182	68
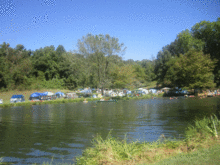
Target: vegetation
7	95
202	156
192	61
96	64
112	151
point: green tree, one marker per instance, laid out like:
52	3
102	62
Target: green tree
98	50
123	76
161	67
194	70
149	67
209	33
48	61
185	42
60	50
140	75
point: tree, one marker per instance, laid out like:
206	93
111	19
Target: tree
185	42
98	50
60	50
140	75
48	61
149	67
161	67
209	33
105	44
194	70
123	76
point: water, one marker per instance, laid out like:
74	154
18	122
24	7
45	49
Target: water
60	132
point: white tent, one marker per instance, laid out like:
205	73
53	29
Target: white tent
49	93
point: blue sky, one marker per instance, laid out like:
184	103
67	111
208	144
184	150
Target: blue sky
144	26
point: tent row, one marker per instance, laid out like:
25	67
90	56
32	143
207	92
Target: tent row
46	96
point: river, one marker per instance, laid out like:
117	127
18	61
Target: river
60	132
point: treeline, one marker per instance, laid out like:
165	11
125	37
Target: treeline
192	60
98	63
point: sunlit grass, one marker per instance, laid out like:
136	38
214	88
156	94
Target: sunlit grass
7	95
204	127
202	156
57	101
113	151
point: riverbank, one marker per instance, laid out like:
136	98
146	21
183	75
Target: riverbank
7	96
202	135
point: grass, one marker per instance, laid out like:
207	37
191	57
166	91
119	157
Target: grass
202	156
57	101
112	151
7	95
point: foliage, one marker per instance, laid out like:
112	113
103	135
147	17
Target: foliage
161	67
105	44
98	63
204	37
209	33
205	126
194	70
123	77
113	151
99	51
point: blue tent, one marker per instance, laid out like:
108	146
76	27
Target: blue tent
60	93
87	91
153	90
37	94
17	96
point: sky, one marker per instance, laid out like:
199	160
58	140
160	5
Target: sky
144	26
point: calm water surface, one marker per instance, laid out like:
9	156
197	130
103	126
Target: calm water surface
40	133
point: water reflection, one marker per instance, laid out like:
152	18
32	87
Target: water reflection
34	134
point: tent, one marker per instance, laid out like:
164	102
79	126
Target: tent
60	94
86	92
49	93
17	96
153	91
37	95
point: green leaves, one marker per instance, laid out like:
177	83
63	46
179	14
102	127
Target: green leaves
90	44
194	70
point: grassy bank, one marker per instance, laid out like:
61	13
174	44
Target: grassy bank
112	151
201	156
7	95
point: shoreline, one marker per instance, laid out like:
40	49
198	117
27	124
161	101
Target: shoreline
60	101
202	135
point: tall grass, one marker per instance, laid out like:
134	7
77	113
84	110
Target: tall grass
204	127
1	160
113	151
